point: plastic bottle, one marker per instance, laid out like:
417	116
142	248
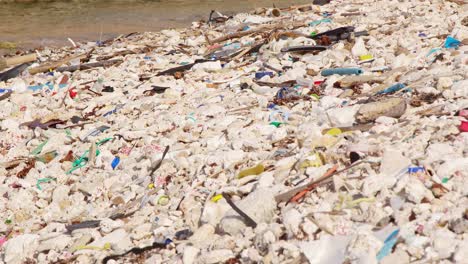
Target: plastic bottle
98	85
305	82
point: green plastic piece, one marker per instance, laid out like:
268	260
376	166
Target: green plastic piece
315	96
39	148
83	159
445	180
276	123
42	180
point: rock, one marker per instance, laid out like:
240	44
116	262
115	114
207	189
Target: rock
60	193
444	243
21	247
203	236
57	243
460	88
459	226
190	254
399	256
215	256
119	240
461	253
444	83
259	205
336	249
292	219
392	107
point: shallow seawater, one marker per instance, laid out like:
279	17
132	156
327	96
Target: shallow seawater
51	23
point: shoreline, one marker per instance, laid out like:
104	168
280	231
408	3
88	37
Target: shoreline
324	134
44	24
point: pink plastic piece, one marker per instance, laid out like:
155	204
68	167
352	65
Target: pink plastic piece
464	126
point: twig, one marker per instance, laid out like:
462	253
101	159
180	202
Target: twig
249	221
313	186
283	197
160	162
85	224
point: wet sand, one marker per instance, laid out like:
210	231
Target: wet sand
51	23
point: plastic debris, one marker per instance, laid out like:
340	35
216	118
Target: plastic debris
115	162
451	42
259	137
389	243
464	126
251	171
342	71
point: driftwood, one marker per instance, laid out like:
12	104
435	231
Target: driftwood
257	30
8	62
125	52
55	64
304	48
13	72
181	68
88	66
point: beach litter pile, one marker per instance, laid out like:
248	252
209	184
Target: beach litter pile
331	133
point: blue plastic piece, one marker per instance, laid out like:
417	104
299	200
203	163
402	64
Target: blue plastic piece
451	43
259	75
115	162
5	90
318	22
415	169
342	71
48	85
388	245
394	88
117	108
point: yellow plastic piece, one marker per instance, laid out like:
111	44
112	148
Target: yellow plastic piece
151	186
346	202
313	161
163	200
334	131
251	171
106	246
366	57
216	198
